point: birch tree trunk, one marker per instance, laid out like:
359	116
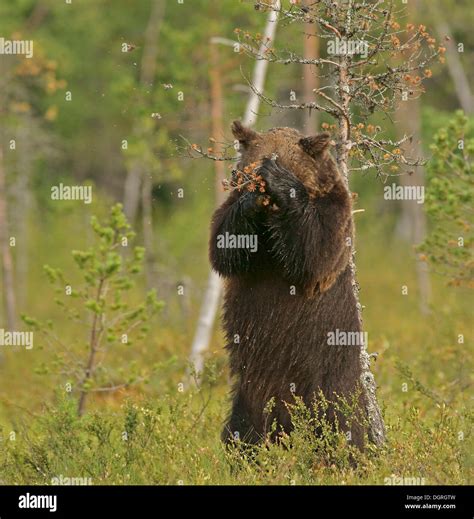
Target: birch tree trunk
210	302
376	430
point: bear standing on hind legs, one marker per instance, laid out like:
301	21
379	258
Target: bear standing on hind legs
287	296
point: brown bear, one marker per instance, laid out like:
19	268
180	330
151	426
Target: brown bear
288	296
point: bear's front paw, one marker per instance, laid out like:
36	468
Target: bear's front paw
251	204
281	185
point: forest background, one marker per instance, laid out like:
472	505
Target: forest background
117	90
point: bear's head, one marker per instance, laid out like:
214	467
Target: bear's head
308	158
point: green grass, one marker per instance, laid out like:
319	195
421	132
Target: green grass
174	439
423	373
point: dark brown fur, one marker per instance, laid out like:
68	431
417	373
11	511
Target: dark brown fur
282	300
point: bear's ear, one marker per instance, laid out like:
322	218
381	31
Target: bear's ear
242	134
315	144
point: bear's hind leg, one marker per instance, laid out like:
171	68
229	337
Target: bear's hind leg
239	426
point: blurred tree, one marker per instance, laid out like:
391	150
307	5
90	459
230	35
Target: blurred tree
455	66
135	173
448	249
6	255
412	221
139	173
27	86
